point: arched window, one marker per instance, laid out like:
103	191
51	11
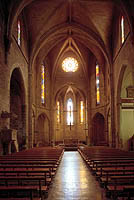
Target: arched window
18	32
58	112
122	30
42	84
69	112
81	112
97	84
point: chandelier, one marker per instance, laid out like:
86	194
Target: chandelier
69	64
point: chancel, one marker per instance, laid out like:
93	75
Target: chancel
66	99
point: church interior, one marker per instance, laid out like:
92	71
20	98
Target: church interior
67	82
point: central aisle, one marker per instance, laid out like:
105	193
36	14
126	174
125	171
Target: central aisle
74	181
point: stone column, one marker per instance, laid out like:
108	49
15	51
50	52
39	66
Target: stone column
89	119
51	122
30	134
24	137
113	130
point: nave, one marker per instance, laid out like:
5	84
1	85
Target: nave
74	181
55	174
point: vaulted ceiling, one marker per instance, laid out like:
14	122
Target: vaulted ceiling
57	28
70	25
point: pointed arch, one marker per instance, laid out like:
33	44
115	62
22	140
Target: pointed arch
18	106
125	108
42	135
98	130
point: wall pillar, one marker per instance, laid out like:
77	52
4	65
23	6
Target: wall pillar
30	134
24	138
113	130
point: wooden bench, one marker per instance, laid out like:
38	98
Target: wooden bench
37	153
113	178
21	198
29	172
17	181
123	190
25	190
108	168
105	175
5	180
28	160
107	165
51	169
129	189
26	173
113	161
90	153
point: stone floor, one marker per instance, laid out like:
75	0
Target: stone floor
74	181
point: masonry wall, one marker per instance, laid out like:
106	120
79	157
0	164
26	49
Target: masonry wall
124	58
15	58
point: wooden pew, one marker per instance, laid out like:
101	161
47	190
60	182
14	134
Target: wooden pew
21	198
106	179
129	189
28	162
49	169
36	164
95	163
27	175
27	190
102	170
107	163
94	153
121	190
116	183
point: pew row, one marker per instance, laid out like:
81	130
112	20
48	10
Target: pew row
113	168
28	174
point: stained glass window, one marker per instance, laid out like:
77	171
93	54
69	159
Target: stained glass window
42	84
69	112
70	64
97	84
18	32
58	111
122	29
81	111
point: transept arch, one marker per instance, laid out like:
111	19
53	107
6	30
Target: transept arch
98	130
42	133
18	107
125	106
75	130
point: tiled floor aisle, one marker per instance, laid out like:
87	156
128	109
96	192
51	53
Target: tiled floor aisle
74	181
